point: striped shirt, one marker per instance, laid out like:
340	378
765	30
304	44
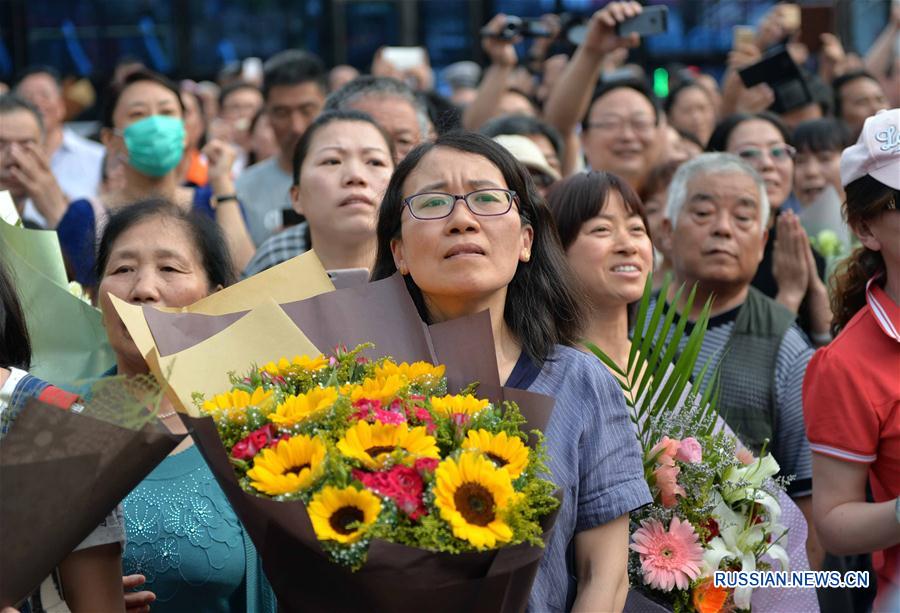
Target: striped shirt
279	248
789	446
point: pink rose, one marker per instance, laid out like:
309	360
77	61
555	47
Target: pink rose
422	414
689	451
243	450
668	485
389	417
665	451
260	437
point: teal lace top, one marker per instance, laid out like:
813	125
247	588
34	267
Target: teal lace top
185	538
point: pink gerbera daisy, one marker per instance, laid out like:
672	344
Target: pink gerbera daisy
670	558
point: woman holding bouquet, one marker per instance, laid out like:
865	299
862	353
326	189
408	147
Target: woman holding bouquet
184	538
461	221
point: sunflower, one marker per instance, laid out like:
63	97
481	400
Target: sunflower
300	362
234	402
289	467
507	452
472	495
372	443
452	405
417	372
343	515
295	409
383	389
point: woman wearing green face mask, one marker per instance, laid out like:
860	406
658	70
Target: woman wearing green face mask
143	130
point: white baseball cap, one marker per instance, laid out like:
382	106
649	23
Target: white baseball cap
527	152
876	153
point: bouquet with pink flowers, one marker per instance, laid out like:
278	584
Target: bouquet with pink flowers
715	504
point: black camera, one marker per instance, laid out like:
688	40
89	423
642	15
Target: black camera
526	27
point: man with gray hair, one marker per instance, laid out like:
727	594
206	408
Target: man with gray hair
716	219
391	103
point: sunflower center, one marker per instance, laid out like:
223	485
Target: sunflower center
296	470
343	517
379	449
475	503
500	462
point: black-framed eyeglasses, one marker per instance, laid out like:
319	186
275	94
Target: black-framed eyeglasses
482	202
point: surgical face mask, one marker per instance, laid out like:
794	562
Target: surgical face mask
155	144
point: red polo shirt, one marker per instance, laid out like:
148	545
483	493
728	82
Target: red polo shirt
851	406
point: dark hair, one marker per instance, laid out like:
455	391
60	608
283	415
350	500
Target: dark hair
542	307
670	100
827	134
9	103
584	195
204	232
658	179
50	71
689	136
323	120
15	344
293	67
718	141
867	199
839	82
367	85
523	125
638	85
234	87
138	76
444	115
820	91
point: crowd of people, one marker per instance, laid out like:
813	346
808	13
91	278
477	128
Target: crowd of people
547	192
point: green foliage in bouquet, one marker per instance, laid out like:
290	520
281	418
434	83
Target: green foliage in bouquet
376	449
714	503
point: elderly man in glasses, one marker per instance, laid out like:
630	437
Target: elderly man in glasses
716	223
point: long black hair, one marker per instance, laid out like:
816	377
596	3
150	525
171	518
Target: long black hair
542	307
15	344
204	233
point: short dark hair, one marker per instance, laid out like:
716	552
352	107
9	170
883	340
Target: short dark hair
15	343
523	125
203	231
444	115
584	195
293	67
682	87
718	141
323	120
659	178
543	308
10	103
50	71
234	87
827	134
138	76
839	82
638	85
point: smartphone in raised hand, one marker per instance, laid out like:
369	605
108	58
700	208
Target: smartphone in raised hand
653	19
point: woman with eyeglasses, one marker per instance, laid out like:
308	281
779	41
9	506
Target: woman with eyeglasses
463	224
790	271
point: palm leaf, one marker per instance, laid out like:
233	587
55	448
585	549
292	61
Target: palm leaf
654	380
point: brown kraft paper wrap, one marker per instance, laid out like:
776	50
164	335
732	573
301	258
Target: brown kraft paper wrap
61	473
395	577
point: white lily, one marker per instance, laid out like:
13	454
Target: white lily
753	475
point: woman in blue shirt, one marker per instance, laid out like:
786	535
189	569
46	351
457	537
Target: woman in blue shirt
463	224
182	535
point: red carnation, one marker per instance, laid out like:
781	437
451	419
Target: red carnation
712	526
424	465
